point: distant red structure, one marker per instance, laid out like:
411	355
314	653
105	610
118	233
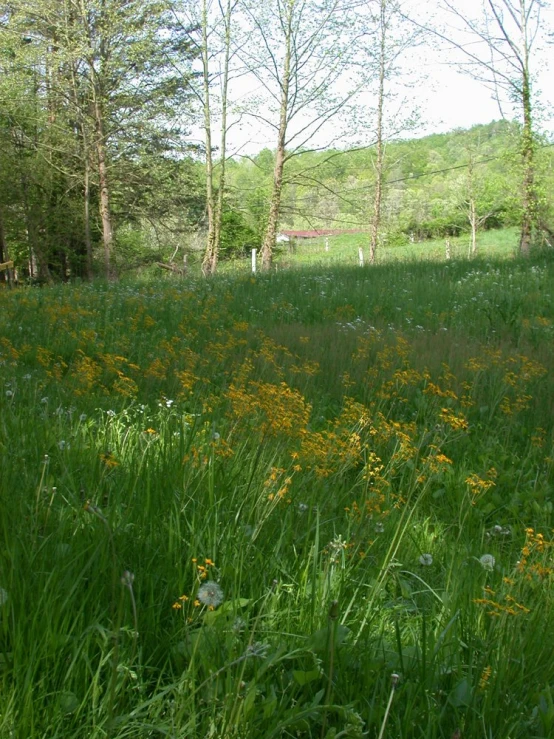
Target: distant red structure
319	232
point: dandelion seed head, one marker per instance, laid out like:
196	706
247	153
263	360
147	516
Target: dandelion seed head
127	579
487	562
426	560
210	594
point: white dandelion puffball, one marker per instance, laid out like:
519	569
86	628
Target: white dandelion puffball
426	560
210	594
487	562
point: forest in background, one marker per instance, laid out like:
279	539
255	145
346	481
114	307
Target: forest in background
100	172
430	184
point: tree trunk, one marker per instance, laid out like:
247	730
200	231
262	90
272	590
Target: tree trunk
86	212
223	148
105	213
4	256
529	197
376	221
473	223
274	209
275	203
38	262
210	258
3	250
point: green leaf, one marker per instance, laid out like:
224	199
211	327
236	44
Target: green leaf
319	640
303	677
461	695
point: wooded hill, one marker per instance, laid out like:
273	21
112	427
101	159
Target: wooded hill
158	199
431	184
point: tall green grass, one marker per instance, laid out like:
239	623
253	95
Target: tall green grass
360	459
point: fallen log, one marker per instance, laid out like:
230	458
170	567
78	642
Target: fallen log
175	268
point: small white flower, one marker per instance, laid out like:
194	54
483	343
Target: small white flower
239	625
426	560
302	507
210	594
216	436
487	562
379	527
63	444
44	401
27	376
83	417
9	393
110	413
257	649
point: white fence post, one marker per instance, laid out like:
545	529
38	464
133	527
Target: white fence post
253	261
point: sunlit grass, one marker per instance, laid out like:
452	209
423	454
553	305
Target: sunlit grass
358	464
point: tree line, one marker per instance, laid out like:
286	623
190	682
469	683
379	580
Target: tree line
441	185
101	102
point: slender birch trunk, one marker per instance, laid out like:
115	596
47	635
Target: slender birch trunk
86	170
86	210
473	223
378	197
277	189
472	214
208	261
97	75
105	211
529	196
223	147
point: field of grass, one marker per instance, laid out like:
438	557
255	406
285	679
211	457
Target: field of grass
310	503
343	251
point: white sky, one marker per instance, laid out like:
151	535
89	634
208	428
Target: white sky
456	100
447	99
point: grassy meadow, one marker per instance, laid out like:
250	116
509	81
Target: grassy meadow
313	503
343	250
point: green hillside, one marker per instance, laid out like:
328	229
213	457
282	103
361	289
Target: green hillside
428	185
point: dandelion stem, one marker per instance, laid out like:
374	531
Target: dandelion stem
394	678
